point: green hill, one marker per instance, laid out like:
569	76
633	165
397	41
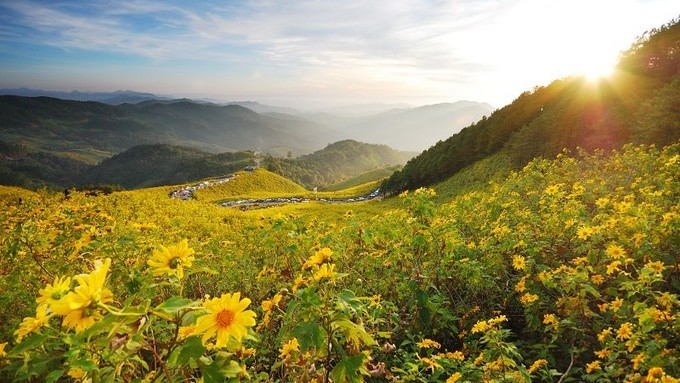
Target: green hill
154	165
363	178
335	163
640	103
48	141
247	184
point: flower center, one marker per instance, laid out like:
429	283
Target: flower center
175	262
224	318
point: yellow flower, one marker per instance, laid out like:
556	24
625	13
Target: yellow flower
518	262
552	189
604	334
430	363
325	271
76	373
54	292
271	304
480	326
185	332
654	374
456	355
454	377
603	354
286	350
428	343
497	320
227	316
613	267
656	267
625	331
2	350
551	319
318	258
521	285
593	366
615	251
616	304
536	365
298	282
639	358
30	324
172	260
528	298
584	232
80	306
597	279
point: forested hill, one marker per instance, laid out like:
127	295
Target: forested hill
59	126
336	162
160	164
639	103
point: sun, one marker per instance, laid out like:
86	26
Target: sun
595	67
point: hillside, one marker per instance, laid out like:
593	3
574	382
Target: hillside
154	165
335	163
563	269
251	184
639	103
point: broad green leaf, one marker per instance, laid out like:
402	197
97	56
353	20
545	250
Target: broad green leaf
349	369
353	332
175	304
191	349
347	302
310	335
54	376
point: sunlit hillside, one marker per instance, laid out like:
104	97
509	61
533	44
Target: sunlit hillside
566	268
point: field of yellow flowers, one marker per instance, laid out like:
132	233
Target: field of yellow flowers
568	270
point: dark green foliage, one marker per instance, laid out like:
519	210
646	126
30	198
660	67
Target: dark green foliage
153	165
335	163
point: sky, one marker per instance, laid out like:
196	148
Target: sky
318	53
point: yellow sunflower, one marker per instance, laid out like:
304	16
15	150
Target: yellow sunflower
172	260
79	307
30	324
54	292
318	258
227	316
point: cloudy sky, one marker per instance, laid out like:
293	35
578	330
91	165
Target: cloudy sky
317	53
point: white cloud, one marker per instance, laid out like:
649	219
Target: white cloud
486	50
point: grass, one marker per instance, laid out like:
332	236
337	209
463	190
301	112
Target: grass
364	178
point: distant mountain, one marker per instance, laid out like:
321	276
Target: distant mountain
55	125
155	165
359	110
112	98
413	129
335	163
263	109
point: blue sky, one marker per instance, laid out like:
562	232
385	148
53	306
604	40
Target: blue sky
317	53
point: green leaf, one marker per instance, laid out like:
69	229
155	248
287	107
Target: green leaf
175	304
212	373
349	369
353	332
54	376
215	373
310	335
348	302
191	349
27	344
